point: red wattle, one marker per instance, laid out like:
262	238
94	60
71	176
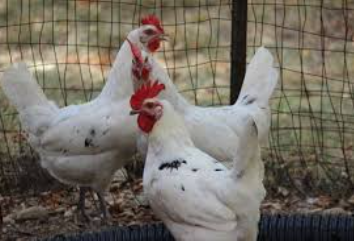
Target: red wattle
145	73
146	122
154	44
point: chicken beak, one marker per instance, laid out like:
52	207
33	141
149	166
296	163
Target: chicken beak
164	37
134	112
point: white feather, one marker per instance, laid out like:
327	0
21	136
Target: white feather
79	144
200	199
223	133
22	89
225	123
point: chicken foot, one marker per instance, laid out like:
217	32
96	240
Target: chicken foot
102	203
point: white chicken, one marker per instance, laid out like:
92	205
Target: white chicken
83	144
194	194
226	123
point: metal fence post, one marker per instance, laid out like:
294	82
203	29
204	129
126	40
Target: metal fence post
238	47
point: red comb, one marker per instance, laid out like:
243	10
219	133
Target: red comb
136	52
152	20
148	90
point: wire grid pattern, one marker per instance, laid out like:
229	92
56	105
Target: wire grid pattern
70	45
311	140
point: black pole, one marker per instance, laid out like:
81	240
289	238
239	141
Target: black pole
238	47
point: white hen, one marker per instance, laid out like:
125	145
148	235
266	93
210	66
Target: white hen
83	144
226	123
193	193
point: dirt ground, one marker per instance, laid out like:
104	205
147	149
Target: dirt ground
54	212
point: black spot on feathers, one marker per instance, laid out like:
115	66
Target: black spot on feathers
105	132
89	139
255	127
218	170
182	188
92	132
194	169
250	101
245	97
175	164
247	101
88	142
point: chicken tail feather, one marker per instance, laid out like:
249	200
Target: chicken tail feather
259	84
260	80
21	88
26	95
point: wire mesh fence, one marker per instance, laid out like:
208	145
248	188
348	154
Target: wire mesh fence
70	45
311	141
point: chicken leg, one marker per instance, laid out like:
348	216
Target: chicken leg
103	207
81	203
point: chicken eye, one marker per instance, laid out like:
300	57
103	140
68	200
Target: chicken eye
149	32
149	105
